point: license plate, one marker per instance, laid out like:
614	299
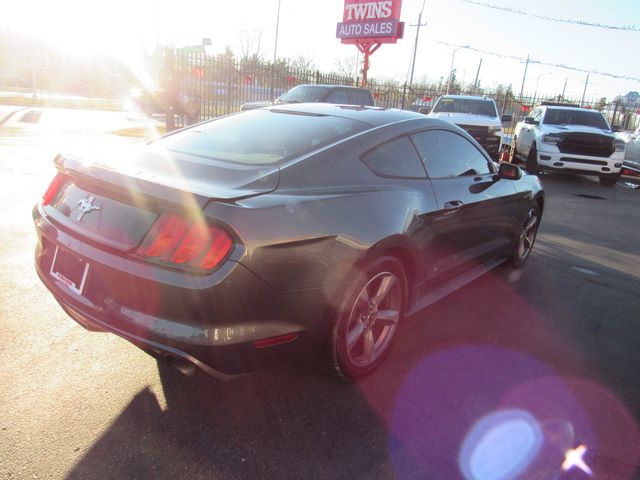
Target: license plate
70	270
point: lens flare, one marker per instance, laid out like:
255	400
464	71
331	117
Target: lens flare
500	446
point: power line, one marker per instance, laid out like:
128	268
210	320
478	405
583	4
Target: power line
538	62
626	28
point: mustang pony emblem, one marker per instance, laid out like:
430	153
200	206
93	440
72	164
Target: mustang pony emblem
86	206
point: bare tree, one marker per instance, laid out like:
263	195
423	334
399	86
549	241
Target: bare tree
250	46
346	65
306	64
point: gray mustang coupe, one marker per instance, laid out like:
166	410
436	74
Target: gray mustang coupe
277	234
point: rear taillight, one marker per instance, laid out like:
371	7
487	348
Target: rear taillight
53	189
175	241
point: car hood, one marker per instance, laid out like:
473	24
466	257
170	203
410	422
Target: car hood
467	119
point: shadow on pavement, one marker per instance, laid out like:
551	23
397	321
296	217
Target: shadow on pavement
484	350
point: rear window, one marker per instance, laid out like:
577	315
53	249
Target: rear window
304	94
260	137
466	105
586	118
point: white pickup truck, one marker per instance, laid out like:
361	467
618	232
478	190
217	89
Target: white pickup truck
569	139
477	115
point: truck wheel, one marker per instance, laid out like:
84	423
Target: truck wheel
532	160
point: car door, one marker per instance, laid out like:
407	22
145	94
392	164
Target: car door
475	209
527	133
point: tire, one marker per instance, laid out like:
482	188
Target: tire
608	180
513	153
532	160
526	237
365	326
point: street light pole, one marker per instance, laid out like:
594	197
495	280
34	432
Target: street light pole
535	95
453	56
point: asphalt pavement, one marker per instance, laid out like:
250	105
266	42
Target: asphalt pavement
558	339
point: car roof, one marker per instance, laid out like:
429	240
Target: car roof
321	85
374	116
566	107
468	97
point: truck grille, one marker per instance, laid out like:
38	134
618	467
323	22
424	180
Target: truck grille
489	142
591	145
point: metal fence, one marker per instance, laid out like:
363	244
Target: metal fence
202	87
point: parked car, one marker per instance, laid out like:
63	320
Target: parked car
337	94
273	235
477	115
632	149
568	139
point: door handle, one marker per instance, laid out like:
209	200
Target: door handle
453	205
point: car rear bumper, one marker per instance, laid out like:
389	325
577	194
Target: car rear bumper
211	321
579	164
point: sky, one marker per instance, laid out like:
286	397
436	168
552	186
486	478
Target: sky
307	28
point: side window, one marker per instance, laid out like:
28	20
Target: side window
537	114
396	158
358	97
447	154
338	96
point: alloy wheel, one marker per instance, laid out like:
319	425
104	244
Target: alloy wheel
373	319
528	234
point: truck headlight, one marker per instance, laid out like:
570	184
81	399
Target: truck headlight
551	139
620	145
495	130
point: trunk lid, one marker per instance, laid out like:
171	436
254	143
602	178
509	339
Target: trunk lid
115	199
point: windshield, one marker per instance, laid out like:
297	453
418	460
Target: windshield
260	137
304	93
587	118
466	105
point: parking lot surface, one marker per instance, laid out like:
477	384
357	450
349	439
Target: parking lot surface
558	339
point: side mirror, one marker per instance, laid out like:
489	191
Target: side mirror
531	121
424	110
616	128
509	171
507	118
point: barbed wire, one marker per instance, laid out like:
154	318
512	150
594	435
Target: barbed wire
626	28
538	62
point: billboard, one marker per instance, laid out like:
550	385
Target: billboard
371	21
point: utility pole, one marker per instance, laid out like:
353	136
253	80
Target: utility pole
275	54
584	92
475	83
415	52
565	87
524	77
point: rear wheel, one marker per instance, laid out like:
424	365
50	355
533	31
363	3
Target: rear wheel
532	160
365	327
526	238
608	180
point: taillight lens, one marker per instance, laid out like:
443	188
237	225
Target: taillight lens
53	188
175	241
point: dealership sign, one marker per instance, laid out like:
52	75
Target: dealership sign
371	21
